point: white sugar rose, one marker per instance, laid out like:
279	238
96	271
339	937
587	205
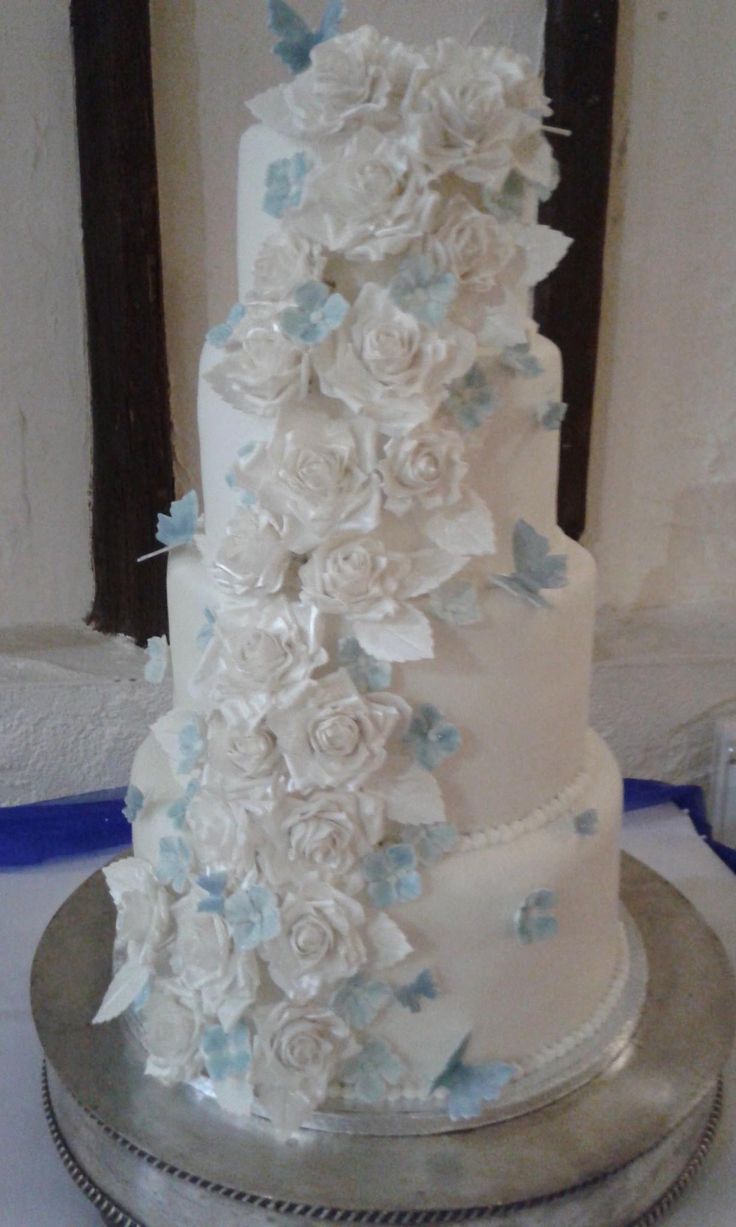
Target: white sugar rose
260	654
475	248
353	79
204	959
320	941
243	760
326	832
284	261
220	835
387	365
333	735
522	86
253	559
460	116
316	475
356	577
368	202
266	372
297	1050
425	469
172	1031
143	921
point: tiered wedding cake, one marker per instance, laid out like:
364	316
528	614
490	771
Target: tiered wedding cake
375	843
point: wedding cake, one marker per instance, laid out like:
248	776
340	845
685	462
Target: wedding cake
376	845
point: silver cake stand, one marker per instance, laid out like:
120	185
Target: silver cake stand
617	1152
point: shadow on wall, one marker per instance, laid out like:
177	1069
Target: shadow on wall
700	562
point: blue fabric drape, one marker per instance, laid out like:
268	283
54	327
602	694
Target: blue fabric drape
93	822
67	826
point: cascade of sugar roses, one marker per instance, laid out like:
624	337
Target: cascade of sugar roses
388	312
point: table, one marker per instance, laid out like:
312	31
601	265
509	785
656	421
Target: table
35	1190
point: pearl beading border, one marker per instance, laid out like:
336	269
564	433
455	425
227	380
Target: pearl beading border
560	806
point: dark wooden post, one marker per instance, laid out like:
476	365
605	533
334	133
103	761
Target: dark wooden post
580	52
131	429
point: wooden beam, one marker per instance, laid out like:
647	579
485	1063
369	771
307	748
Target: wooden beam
580	55
131	429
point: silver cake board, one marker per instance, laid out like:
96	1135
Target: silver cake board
616	1152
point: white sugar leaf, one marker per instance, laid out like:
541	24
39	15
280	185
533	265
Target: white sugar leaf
543	248
466	528
387	942
456	603
415	798
124	987
234	1095
430	568
405	636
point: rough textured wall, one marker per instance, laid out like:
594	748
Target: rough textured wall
208	57
74	709
45	572
662	508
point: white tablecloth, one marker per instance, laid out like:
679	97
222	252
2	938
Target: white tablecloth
35	1191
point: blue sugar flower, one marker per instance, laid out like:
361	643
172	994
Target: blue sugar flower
317	313
371	1071
207	630
133	803
295	39
507	204
214	884
177	811
470	1086
222	333
226	1053
179	526
359	1001
391	875
422	291
535	921
551	414
285	184
366	672
430	841
535	567
430	737
191	746
586	823
410	995
455	602
173	862
157	648
253	915
470	400
520	360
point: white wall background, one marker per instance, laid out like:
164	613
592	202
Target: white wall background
662	506
45	572
662	487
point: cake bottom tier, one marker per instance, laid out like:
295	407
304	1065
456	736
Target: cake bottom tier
517	931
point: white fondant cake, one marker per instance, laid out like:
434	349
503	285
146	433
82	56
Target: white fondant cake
375	843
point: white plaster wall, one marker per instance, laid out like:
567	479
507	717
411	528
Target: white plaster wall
208	57
74	707
662	491
662	496
45	571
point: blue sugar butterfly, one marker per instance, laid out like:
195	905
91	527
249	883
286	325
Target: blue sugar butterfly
535	567
295	39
